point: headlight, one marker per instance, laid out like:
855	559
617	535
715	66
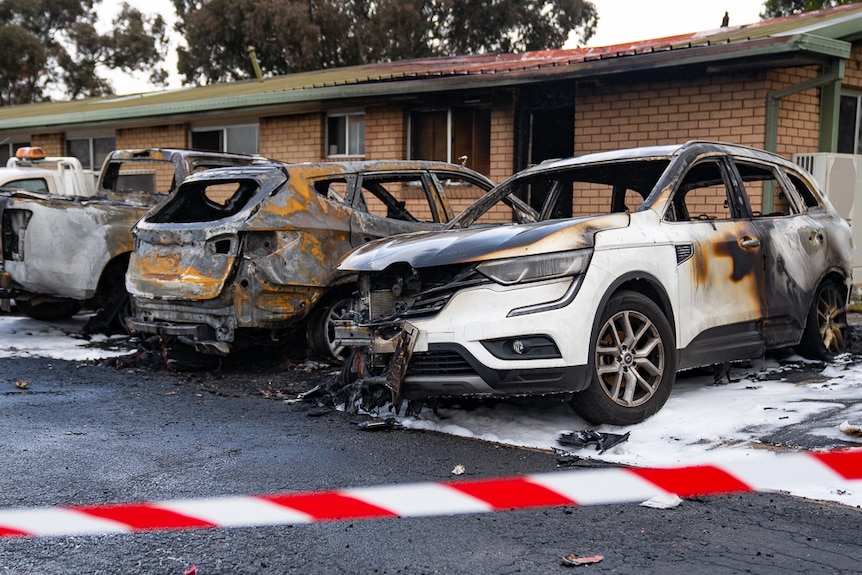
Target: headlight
535	268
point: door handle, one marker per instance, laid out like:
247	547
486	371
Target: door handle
749	242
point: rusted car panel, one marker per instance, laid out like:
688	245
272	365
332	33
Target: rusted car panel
61	253
260	261
618	270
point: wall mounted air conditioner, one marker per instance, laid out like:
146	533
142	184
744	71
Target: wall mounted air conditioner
840	178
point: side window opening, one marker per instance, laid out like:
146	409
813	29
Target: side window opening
805	193
572	192
762	183
39	185
703	194
334	190
403	198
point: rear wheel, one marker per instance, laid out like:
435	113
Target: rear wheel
634	363
115	303
320	332
826	333
49	310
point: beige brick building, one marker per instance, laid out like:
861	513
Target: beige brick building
793	85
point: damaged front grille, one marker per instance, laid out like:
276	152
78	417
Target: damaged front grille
401	292
439	363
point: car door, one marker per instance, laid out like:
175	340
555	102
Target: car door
719	264
795	250
392	203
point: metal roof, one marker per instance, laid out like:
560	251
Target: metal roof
820	34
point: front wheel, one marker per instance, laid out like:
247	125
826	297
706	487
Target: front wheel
634	363
826	331
320	332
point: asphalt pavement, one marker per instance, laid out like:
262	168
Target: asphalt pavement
91	433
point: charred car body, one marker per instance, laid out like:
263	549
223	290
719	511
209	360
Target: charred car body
64	251
248	255
617	270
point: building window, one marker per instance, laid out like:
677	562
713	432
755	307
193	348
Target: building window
345	134
8	149
236	139
848	124
460	135
91	152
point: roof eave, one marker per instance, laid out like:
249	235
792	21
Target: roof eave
760	51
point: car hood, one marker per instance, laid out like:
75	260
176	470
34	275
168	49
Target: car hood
439	248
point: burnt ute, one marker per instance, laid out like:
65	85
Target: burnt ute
600	277
248	255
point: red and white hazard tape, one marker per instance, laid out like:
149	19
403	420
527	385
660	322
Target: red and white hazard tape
834	470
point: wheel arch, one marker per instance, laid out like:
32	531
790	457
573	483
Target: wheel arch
840	278
644	283
837	276
114	268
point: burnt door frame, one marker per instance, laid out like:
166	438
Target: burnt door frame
543	110
546	127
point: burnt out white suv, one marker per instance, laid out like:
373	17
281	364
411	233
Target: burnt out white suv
610	273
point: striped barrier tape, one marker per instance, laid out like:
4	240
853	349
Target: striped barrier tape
835	470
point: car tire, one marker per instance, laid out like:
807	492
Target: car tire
826	332
115	303
320	331
633	363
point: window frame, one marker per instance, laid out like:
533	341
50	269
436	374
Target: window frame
857	124
451	129
95	159
348	139
225	140
10	146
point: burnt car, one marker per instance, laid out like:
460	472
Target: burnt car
65	241
246	256
612	272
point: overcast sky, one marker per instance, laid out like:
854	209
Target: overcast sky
619	21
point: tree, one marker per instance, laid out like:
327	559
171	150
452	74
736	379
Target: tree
777	8
301	35
50	47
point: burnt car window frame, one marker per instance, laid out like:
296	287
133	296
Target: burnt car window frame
441	179
781	185
735	196
333	195
205	209
391	202
801	187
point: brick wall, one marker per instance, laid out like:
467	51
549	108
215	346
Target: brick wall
53	144
295	138
163	136
853	68
385	133
728	107
502	141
